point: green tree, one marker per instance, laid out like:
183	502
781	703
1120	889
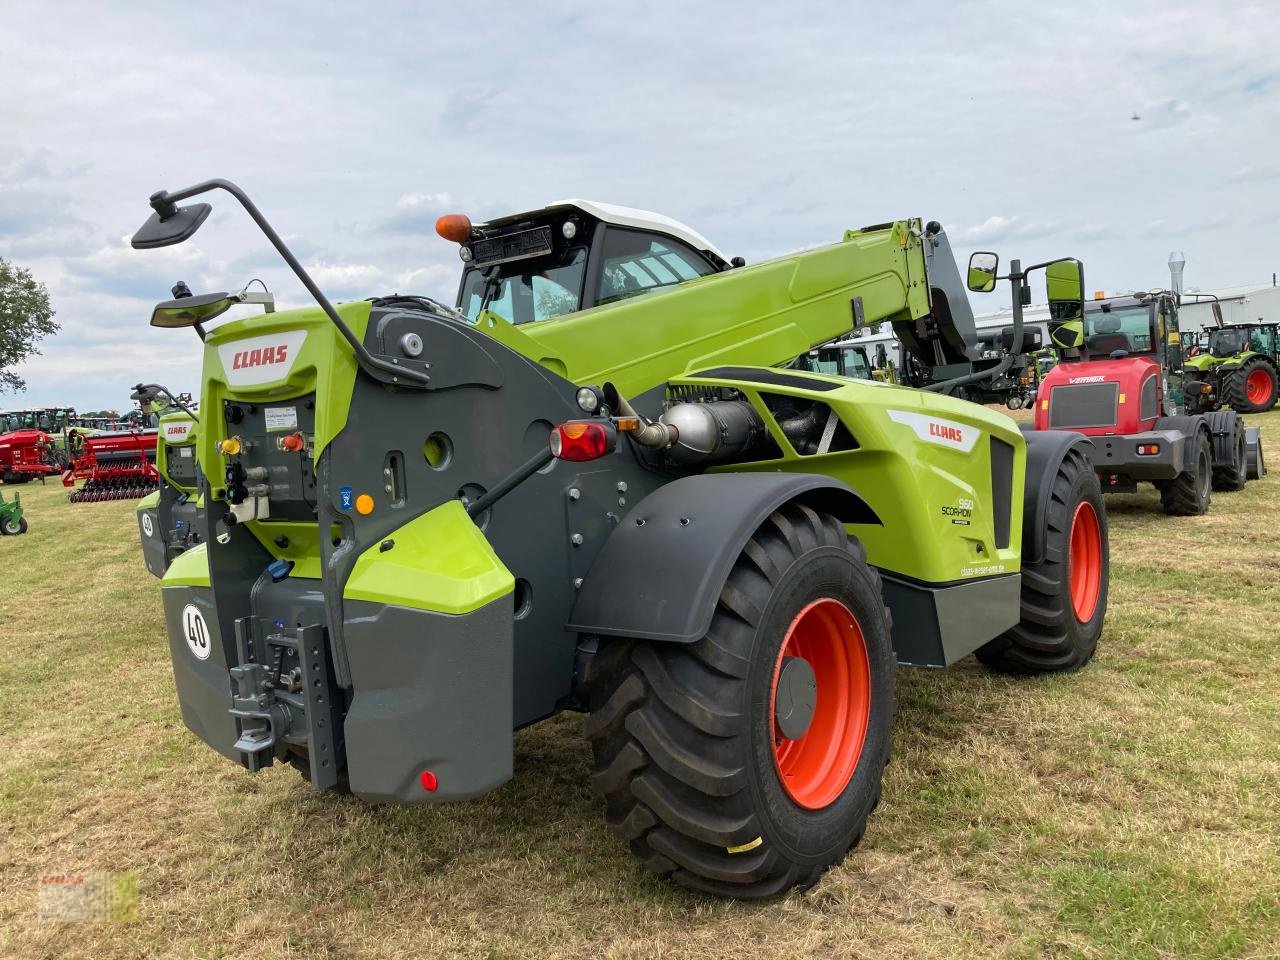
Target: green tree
25	317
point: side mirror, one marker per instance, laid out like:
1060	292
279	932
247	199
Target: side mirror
982	272
188	311
1064	286
169	225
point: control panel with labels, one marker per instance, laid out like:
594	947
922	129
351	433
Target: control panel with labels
267	451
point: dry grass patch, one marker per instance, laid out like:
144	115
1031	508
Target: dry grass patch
1129	810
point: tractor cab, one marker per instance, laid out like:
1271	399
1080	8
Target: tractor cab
572	255
1114	356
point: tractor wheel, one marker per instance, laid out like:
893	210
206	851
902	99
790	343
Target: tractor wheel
13	526
1188	494
1064	596
1229	445
1252	387
746	763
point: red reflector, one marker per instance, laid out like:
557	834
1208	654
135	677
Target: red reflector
429	781
455	227
579	440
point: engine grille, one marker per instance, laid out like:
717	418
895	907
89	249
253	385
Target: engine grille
1083	405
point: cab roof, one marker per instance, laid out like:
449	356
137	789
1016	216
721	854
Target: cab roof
626	217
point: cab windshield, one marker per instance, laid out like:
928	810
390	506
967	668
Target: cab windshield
1128	328
529	293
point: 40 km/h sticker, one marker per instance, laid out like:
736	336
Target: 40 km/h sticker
196	631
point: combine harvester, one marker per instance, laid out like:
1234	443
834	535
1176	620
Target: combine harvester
591	488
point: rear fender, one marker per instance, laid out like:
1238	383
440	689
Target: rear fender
659	574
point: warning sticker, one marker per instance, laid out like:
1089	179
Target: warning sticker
281	418
184	452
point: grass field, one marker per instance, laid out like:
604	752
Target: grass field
1130	810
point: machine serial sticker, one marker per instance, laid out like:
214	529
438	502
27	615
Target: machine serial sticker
196	631
184	452
281	418
944	433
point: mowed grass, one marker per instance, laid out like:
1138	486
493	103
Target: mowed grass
1129	810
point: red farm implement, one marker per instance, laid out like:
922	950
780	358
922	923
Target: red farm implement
113	466
26	454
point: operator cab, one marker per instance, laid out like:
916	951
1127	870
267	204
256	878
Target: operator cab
1130	324
572	255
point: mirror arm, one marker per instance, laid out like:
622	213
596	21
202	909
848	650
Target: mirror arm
165	204
199	328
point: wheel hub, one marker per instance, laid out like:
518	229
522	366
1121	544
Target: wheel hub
796	697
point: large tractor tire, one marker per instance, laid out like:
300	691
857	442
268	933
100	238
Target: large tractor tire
1252	387
1230	456
1189	493
747	763
13	526
1064	595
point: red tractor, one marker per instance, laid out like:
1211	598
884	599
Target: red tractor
1120	381
26	454
114	466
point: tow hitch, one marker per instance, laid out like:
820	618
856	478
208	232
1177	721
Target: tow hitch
283	696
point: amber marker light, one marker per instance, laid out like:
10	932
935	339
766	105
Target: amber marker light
455	227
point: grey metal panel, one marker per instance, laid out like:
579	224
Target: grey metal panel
431	692
934	626
203	686
1083	405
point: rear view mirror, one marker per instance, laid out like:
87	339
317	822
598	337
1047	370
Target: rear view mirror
189	311
1064	286
982	272
177	226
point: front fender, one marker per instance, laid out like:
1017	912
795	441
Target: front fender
659	574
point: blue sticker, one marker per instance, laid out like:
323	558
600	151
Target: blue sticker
346	498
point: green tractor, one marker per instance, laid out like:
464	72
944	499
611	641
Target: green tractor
12	522
591	487
1241	364
847	359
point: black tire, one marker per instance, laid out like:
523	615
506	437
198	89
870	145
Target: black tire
1235	391
684	743
1189	493
1230	469
14	528
1050	637
1257	464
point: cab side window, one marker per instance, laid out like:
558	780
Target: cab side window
635	262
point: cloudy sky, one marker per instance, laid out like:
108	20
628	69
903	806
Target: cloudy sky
768	127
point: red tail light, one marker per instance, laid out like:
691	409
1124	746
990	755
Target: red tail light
580	440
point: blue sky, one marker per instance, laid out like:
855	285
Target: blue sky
766	127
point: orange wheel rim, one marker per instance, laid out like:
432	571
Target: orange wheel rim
1257	386
1085	561
816	766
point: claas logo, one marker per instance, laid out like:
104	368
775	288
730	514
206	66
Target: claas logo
176	430
954	434
260	357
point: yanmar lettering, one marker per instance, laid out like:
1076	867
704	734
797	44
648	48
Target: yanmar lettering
1087	380
258	358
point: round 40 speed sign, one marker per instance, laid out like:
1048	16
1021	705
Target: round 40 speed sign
196	631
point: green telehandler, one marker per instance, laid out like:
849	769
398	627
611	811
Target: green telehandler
590	487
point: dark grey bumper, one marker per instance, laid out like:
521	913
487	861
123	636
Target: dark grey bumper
1118	456
936	625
